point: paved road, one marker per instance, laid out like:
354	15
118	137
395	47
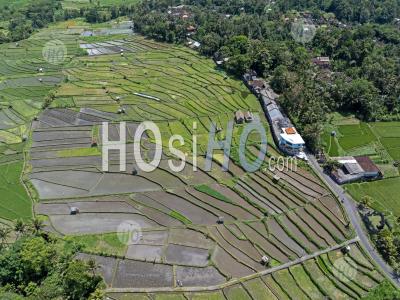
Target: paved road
352	212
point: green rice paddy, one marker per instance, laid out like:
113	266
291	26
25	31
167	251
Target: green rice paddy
378	140
15	202
384	194
174	87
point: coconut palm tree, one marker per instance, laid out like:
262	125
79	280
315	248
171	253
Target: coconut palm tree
37	225
92	266
366	201
4	233
20	227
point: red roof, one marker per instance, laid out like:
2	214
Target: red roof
290	130
367	164
257	83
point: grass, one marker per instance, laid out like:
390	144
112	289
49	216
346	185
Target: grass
354	136
258	290
392	145
132	297
211	192
172	296
385	290
236	292
384	193
15	202
331	144
284	279
179	217
101	244
77	4
304	281
94	151
207	296
189	89
378	140
187	86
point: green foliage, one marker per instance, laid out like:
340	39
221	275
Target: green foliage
354	136
101	244
348	11
180	217
384	291
78	282
41	267
383	192
37	256
363	56
79	152
331	165
386	245
24	20
213	193
28	16
15	202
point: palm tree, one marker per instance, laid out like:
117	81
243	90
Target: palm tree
92	266
36	225
20	227
331	166
366	201
4	233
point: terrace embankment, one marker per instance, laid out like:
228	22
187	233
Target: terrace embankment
183	244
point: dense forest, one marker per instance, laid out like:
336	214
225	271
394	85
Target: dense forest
257	35
22	22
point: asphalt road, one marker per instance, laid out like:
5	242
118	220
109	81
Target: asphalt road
352	212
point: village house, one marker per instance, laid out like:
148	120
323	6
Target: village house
322	61
192	44
239	117
191	30
180	11
284	134
248	116
257	85
219	59
355	168
291	141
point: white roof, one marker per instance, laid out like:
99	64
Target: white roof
295	139
345	160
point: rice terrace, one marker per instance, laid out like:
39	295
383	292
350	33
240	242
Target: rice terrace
276	233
